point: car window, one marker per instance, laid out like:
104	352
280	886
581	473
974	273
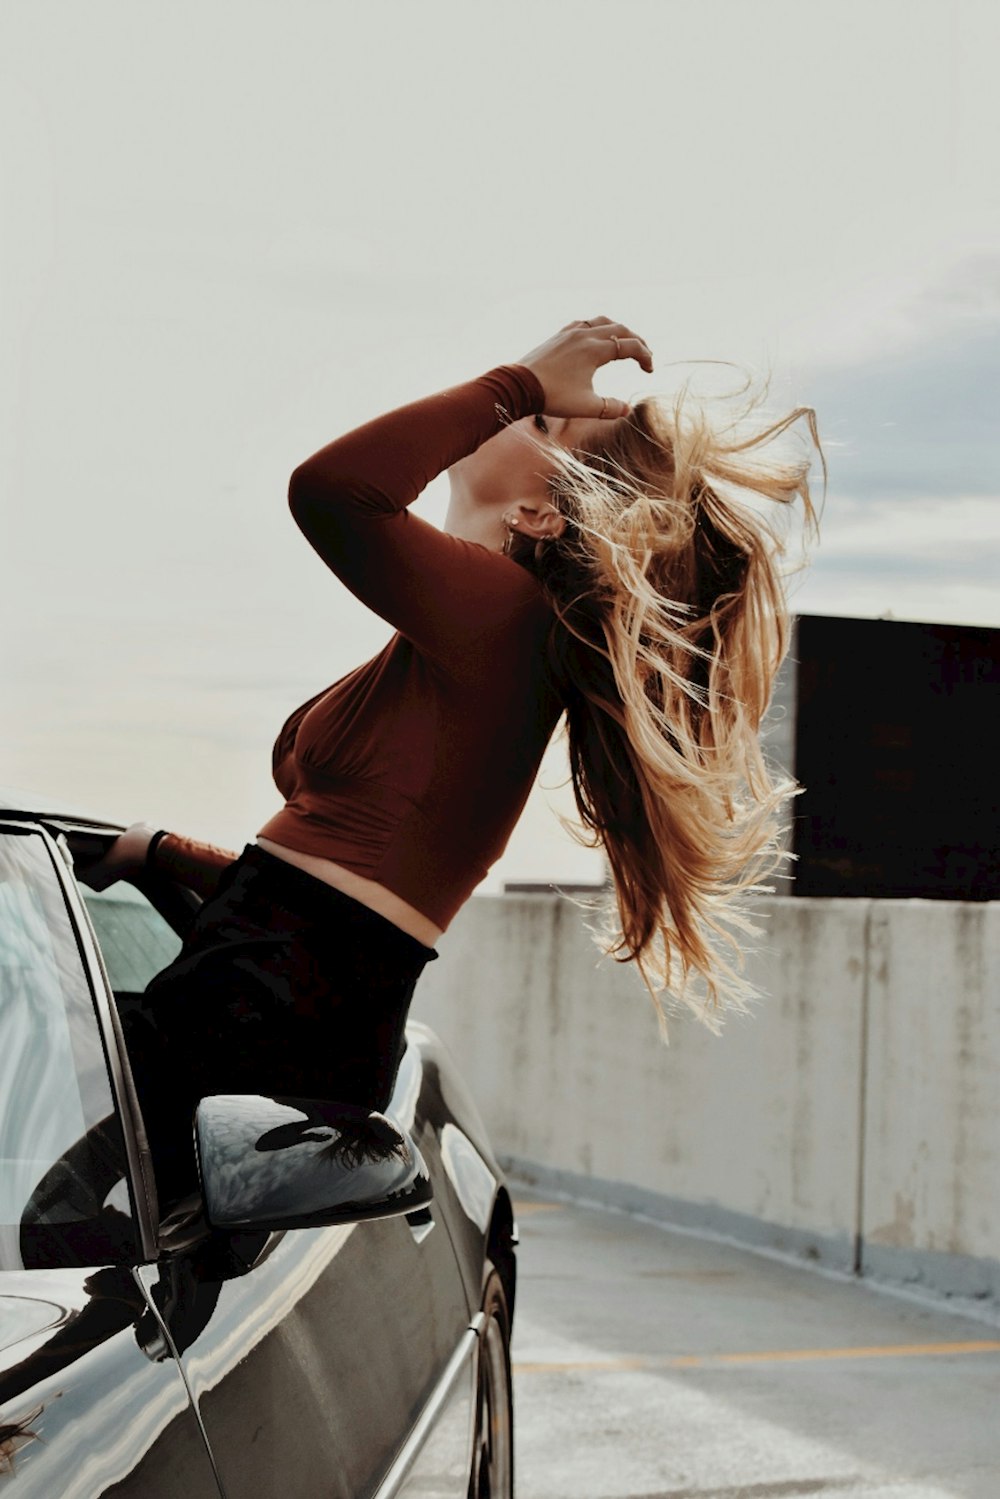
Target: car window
135	940
64	1196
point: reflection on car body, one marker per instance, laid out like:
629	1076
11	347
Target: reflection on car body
146	1357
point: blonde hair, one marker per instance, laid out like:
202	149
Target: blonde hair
670	624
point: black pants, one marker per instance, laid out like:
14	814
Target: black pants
284	985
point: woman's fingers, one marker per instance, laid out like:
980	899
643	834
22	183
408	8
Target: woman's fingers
565	365
627	346
623	342
121	859
104	872
609	408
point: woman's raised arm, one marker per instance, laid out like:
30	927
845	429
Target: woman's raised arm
350	501
379	468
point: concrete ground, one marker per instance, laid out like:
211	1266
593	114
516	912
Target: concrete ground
650	1364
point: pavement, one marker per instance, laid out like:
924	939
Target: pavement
654	1364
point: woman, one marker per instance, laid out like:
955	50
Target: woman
590	563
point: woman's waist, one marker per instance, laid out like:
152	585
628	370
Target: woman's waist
367	892
416	864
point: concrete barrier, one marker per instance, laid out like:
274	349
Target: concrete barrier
853	1118
930	1210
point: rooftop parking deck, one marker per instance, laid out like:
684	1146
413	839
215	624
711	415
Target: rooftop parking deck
653	1364
852	1118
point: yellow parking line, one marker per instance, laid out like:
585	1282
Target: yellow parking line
888	1350
772	1356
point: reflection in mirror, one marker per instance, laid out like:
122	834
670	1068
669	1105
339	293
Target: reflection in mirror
301	1162
15	1434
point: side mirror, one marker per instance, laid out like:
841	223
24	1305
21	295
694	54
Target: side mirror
275	1163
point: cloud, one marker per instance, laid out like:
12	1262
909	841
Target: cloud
920	557
912	519
938	531
920	421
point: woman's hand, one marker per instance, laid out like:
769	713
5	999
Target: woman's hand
124	858
566	364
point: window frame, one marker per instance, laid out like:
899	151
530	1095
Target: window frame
142	1190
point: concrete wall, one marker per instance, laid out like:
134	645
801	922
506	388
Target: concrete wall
854	1118
931	1182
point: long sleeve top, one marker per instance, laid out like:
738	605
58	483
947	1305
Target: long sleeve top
413	769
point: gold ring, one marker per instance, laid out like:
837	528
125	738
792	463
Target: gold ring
618	347
604	407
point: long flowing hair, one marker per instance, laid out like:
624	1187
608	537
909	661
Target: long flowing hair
670	624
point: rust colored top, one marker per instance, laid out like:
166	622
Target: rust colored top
413	769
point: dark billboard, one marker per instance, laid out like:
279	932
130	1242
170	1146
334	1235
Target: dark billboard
897	743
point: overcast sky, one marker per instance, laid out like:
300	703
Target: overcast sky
230	231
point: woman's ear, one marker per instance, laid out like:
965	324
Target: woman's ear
541	521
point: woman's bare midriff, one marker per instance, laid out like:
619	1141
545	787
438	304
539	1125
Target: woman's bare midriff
371	894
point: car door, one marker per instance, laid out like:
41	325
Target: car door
312	1354
92	1400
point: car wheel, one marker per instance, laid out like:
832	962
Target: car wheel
492	1475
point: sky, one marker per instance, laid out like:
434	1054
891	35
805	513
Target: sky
231	231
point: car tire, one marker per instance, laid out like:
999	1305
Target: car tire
492	1474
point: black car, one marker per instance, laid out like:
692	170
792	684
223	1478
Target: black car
219	1350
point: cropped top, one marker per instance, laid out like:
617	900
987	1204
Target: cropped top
413	769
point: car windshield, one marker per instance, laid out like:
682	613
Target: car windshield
63	1190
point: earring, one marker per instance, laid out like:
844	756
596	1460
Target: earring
510	524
